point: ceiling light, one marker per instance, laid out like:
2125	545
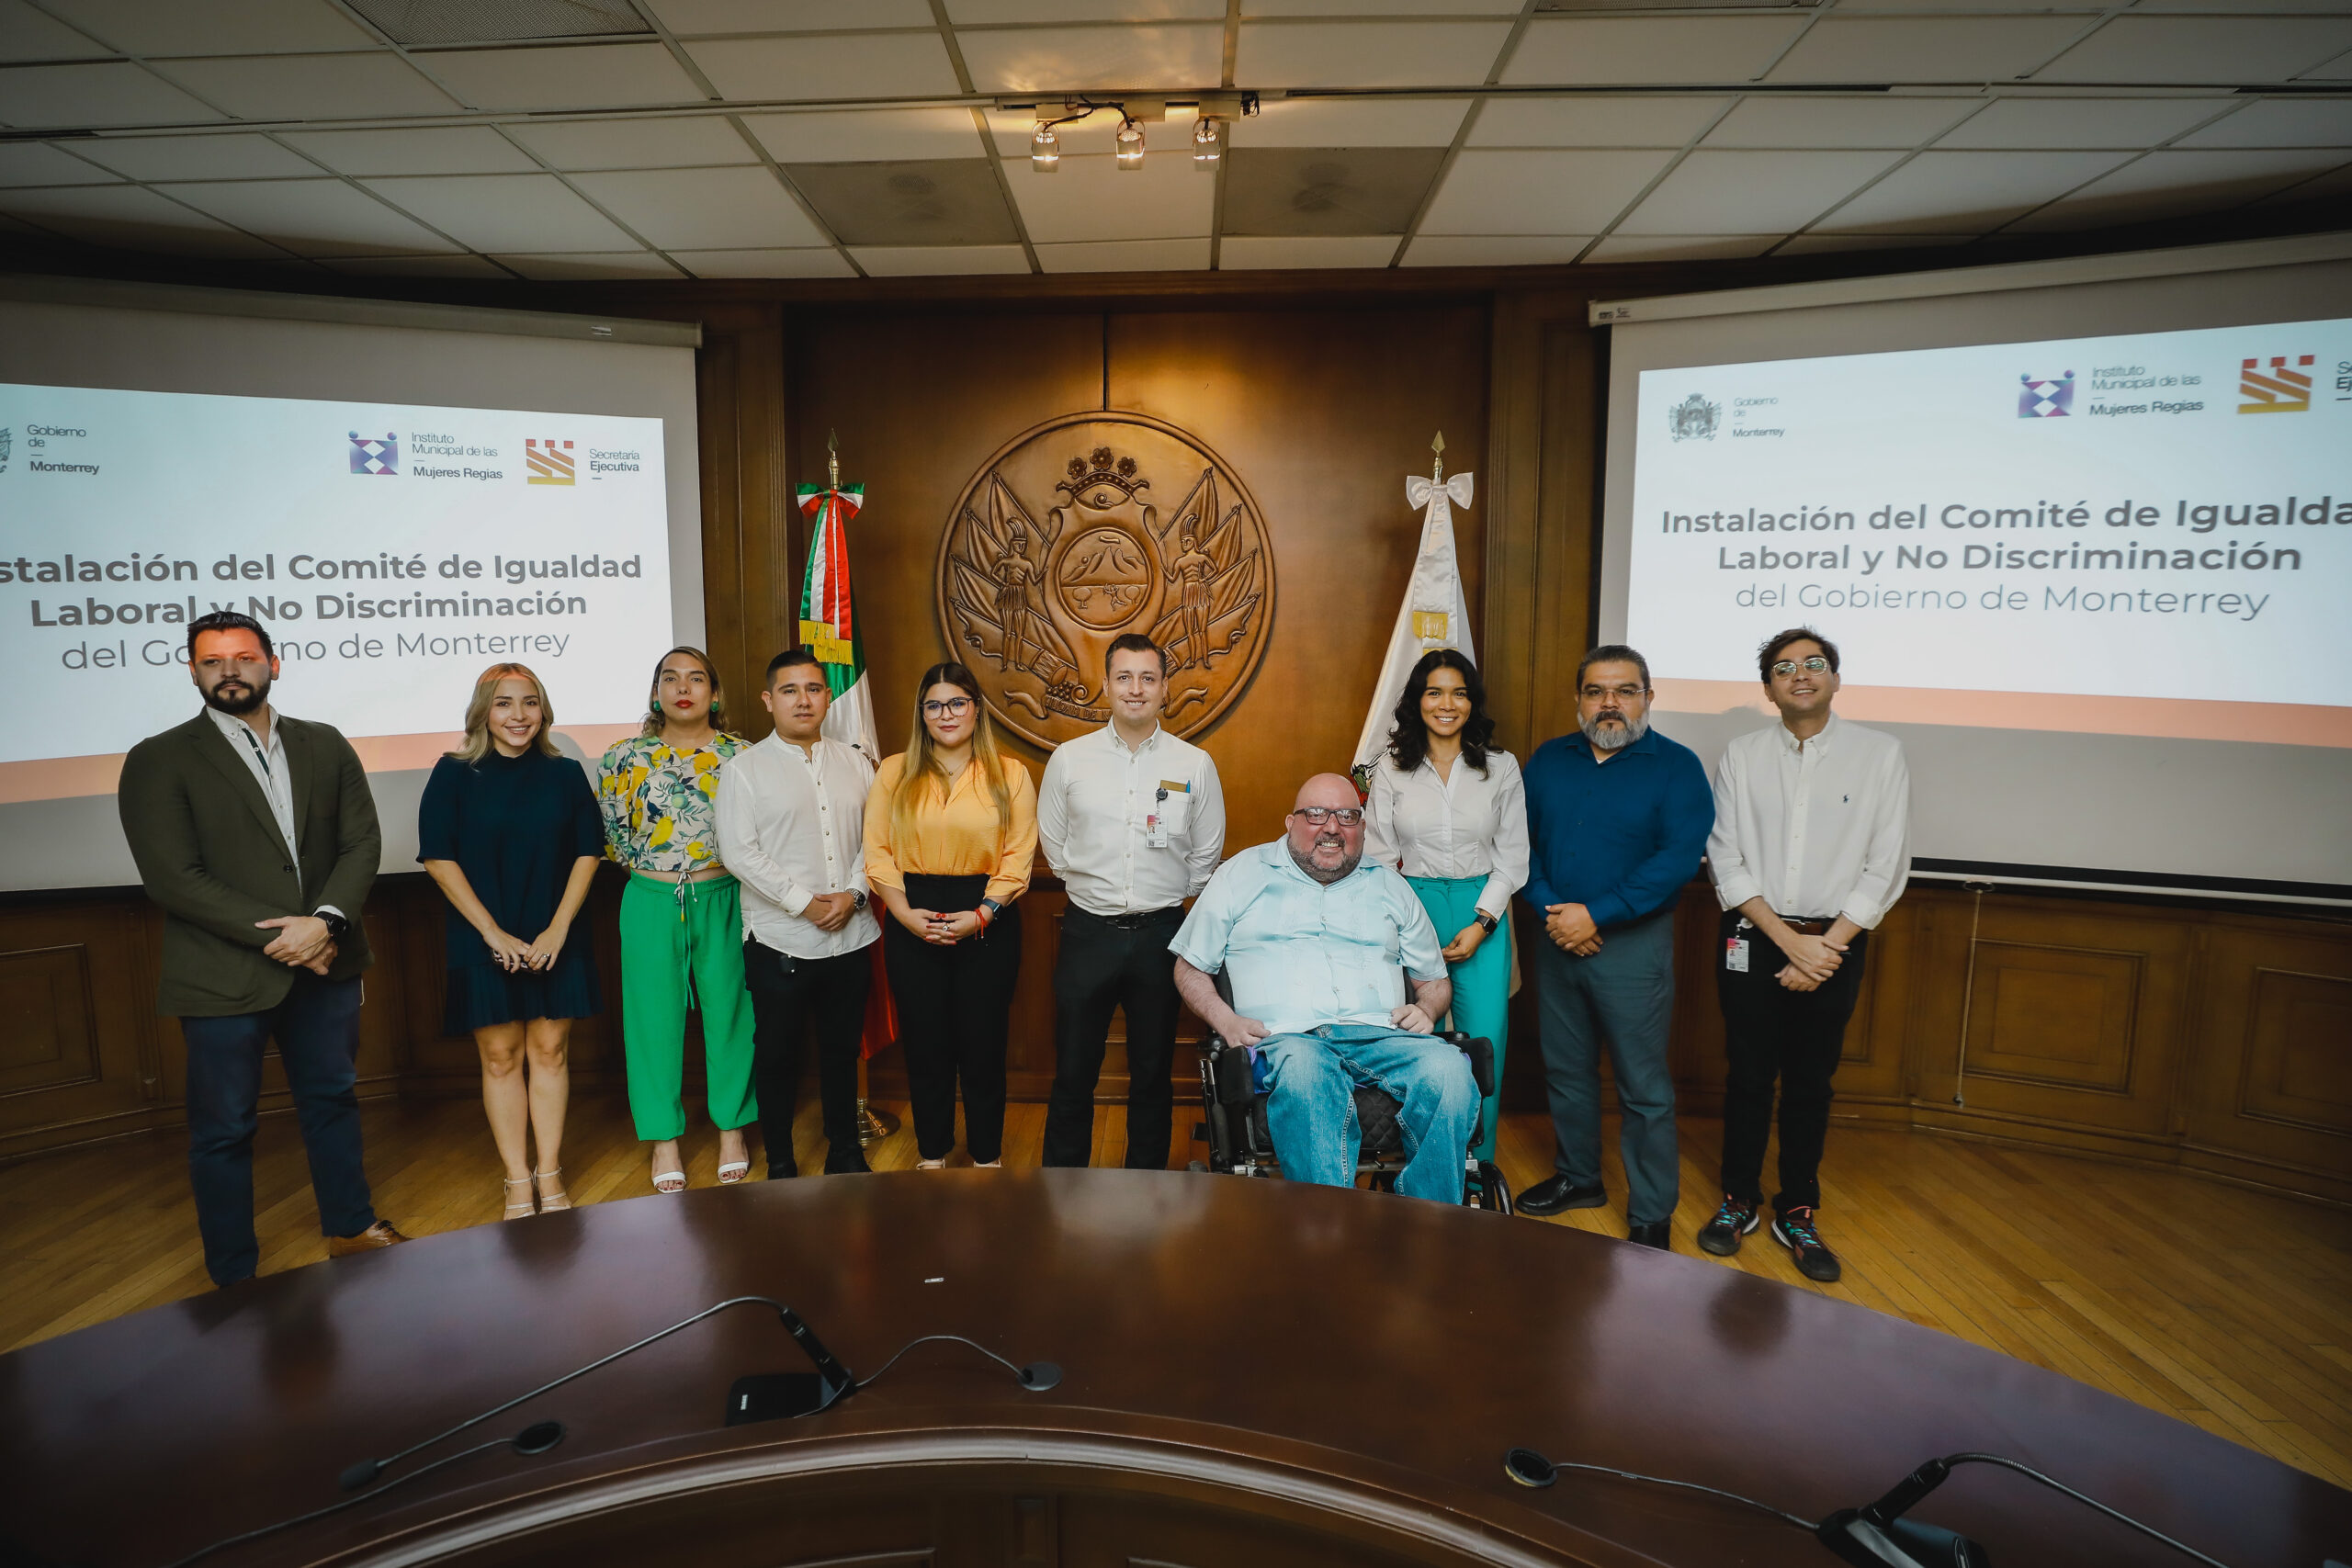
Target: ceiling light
1044	151
1208	142
1130	144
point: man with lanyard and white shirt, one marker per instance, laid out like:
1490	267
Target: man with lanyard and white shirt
1811	847
791	820
1133	821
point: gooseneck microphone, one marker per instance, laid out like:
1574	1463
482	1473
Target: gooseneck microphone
1878	1536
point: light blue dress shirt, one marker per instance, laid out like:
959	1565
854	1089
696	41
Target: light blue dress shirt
1302	954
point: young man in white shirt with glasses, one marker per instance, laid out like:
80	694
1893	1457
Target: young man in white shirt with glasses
1811	847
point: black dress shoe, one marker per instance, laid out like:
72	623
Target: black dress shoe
1557	1195
1651	1234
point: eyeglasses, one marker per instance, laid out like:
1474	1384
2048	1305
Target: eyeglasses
1815	664
1623	694
1346	815
953	707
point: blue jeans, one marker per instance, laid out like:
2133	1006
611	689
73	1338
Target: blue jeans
317	1031
1621	997
1311	1080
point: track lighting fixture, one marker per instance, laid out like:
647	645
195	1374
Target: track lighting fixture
1044	151
1129	144
1208	142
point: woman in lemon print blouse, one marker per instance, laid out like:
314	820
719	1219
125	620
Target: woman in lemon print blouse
681	918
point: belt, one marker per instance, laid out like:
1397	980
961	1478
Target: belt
1810	927
1128	922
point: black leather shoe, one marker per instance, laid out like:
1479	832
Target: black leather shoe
1651	1234
1557	1195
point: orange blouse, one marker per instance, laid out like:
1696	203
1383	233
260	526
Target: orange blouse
959	836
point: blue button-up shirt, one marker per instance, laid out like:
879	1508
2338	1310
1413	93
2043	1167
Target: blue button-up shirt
1301	954
1620	836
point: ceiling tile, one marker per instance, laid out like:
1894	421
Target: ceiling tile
1925	48
2281	123
26	34
1250	252
119	94
1493	193
1836	122
1647	49
1090	198
939	261
524	213
2337	70
311	217
1369	54
622	76
35	164
975	13
1031	59
2202	49
2171	184
704	210
1326	190
132	218
941	201
459	265
214	27
850	136
798	262
245	155
419	150
2132	123
1126	256
1966	193
856	65
589	263
2334	186
1480	249
1752	193
1821	244
1593	122
1338	122
687	18
635	144
1380	8
1681	247
311	86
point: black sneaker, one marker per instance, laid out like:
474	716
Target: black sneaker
1554	1194
1794	1231
1721	1234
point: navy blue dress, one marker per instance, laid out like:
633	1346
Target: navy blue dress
515	826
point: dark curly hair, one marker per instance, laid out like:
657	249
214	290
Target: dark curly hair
1408	742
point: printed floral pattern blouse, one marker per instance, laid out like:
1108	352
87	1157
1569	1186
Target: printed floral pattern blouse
660	804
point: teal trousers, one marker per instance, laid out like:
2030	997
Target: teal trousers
1481	986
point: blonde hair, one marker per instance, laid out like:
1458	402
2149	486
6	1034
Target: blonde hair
655	719
921	772
477	744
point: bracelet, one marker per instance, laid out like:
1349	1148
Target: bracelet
985	914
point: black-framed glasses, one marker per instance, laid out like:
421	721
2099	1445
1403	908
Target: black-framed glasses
1787	667
953	707
1346	815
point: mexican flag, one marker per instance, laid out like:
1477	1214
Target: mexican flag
828	626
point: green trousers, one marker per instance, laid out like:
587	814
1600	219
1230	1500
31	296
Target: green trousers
1482	986
683	944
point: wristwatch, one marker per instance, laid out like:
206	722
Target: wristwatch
1486	921
857	897
337	926
993	907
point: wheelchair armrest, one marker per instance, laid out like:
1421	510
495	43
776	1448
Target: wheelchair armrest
1233	1078
1481	1052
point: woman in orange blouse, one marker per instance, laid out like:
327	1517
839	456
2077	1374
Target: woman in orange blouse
951	828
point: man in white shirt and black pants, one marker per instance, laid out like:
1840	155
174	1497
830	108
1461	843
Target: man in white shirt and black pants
791	820
1812	845
1133	821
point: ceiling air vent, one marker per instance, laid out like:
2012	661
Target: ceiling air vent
500	21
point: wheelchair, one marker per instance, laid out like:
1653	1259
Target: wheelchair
1240	1144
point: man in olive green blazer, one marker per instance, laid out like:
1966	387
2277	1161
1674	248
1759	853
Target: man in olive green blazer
257	835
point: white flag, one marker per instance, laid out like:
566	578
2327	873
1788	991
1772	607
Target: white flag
1434	615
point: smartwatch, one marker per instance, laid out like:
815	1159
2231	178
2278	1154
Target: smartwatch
337	926
1486	921
993	909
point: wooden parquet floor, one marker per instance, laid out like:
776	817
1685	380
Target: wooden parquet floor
2226	1308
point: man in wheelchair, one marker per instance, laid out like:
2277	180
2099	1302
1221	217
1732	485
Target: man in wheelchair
1315	945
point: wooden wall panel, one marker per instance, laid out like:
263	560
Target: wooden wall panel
2270	1093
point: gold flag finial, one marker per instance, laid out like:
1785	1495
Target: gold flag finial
832	459
1437	463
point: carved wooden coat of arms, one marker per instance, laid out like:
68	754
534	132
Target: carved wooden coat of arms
1088	526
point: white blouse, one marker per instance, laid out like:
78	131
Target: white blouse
1473	824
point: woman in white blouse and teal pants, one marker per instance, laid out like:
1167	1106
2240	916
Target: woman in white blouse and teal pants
1449	812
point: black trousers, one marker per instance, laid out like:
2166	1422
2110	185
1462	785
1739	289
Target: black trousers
1105	965
953	1008
1797	1036
790	997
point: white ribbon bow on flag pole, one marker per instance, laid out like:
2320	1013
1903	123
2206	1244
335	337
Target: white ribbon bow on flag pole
1434	614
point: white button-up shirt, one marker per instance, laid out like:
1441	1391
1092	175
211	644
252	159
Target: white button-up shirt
1472	823
1818	829
792	825
270	770
1095	814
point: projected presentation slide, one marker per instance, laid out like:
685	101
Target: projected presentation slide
2142	535
393	553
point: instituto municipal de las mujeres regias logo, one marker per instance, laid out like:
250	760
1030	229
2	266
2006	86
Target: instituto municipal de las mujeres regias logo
2281	386
2046	397
549	461
7	444
1693	419
374	454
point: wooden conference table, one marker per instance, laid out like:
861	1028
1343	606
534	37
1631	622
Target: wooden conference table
1255	1373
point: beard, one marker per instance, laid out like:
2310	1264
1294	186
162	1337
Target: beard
254	694
1615	738
1344	870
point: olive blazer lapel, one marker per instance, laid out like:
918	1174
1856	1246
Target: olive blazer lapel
221	752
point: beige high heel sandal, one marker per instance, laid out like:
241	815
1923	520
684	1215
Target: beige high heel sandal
524	1209
551	1202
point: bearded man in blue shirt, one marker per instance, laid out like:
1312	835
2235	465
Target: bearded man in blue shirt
1618	816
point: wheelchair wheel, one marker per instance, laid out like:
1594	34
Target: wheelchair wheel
1493	1193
